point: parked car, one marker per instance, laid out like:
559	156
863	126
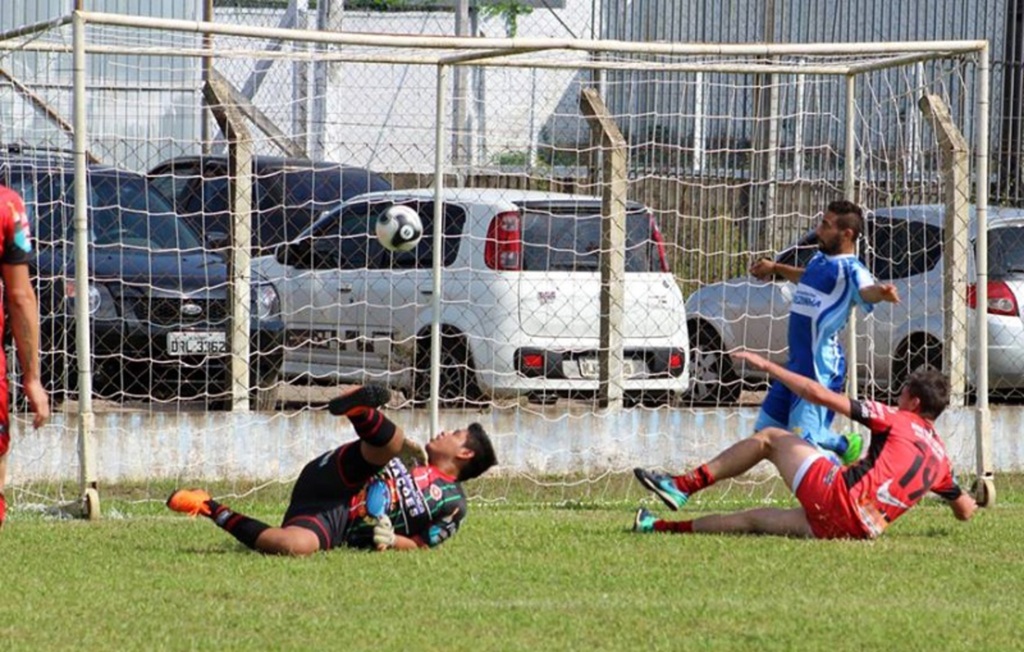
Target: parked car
158	302
288	195
901	245
520	299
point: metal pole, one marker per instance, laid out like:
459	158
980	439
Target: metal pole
460	131
983	430
850	193
82	327
435	299
207	66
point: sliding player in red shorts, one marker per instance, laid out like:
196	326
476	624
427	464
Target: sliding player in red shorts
906	460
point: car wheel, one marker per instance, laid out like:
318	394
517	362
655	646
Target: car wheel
458	378
263	398
713	377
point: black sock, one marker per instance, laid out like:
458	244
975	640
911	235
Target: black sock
243	528
372	426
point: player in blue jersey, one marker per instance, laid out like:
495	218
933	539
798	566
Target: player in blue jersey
833	282
362	495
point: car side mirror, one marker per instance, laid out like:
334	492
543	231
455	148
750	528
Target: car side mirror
218	240
293	254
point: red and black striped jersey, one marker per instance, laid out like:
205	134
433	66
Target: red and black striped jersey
906	460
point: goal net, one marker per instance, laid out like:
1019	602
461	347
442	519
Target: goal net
591	209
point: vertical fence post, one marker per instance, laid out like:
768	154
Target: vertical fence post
613	248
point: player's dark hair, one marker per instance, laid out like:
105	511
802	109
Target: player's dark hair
931	387
483	453
848	216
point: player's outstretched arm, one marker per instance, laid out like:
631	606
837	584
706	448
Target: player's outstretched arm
963	507
880	292
766	270
802	386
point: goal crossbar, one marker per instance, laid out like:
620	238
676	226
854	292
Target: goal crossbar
501	51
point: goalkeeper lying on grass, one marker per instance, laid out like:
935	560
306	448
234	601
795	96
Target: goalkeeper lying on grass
906	460
362	495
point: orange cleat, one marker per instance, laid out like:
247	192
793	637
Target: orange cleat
190	501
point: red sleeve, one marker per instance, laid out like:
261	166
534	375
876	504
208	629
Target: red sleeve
17	240
946	486
876	416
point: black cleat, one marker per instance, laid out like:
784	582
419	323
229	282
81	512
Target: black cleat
372	396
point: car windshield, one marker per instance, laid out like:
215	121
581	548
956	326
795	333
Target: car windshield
1006	250
568	239
126	211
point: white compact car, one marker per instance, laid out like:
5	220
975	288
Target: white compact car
520	298
902	245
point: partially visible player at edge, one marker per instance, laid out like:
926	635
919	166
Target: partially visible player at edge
361	494
906	460
20	303
827	289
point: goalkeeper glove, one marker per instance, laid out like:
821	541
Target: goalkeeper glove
383	533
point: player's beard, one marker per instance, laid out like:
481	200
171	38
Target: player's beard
829	248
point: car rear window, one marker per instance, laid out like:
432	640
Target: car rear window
560	240
1006	250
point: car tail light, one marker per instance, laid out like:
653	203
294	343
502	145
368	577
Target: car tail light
1001	300
533	361
659	242
503	249
675	363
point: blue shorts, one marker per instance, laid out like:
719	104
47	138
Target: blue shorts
784	409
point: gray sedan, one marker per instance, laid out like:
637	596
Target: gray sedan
901	245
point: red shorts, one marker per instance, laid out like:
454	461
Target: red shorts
823	495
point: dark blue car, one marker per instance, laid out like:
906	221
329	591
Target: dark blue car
158	301
288	195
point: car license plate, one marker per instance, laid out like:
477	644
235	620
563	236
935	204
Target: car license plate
589	368
197	343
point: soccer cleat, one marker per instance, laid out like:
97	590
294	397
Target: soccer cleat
643	522
663	486
372	396
854	447
190	501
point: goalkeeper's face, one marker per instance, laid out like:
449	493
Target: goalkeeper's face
448	445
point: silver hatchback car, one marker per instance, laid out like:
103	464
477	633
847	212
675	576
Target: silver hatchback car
901	245
520	305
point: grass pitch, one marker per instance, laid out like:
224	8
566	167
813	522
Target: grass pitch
517	577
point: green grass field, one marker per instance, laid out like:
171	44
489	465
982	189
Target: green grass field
566	576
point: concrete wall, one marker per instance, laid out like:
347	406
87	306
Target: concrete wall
218	446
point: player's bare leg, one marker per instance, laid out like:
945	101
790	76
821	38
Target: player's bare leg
783	449
765	520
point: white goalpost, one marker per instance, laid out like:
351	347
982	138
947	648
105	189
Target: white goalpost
727	151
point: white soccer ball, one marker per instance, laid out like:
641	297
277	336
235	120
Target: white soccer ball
399	228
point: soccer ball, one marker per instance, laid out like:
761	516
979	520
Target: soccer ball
399	228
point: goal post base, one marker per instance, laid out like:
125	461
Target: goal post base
86	507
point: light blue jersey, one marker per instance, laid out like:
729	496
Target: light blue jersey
826	294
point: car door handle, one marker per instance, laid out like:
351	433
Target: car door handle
344	287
